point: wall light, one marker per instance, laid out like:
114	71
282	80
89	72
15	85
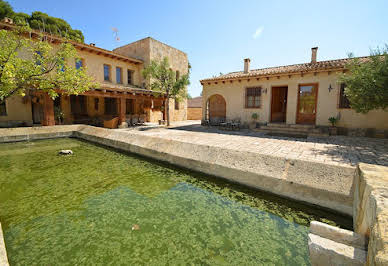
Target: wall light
330	88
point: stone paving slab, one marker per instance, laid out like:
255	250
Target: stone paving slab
334	150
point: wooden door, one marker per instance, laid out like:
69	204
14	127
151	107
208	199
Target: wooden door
307	104
217	107
37	111
279	104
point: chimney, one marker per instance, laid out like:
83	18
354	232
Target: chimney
92	44
247	63
314	55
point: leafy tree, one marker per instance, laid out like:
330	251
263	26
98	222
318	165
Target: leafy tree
366	84
42	22
189	96
37	65
5	9
163	80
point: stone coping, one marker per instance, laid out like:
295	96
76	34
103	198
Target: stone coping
371	210
328	186
3	252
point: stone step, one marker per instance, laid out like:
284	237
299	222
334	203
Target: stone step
278	125
302	126
330	245
287	129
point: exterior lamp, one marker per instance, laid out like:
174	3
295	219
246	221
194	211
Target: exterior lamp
330	88
264	90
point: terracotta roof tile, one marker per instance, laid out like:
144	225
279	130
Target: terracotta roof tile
296	68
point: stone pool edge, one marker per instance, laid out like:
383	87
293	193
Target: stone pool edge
3	251
281	176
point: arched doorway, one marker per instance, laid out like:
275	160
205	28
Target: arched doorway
216	108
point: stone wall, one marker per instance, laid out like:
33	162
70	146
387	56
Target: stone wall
19	112
3	251
194	113
370	210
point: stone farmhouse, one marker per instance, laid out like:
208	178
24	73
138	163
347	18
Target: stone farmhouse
289	98
122	96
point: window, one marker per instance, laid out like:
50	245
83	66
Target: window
252	97
79	63
130	106
343	100
110	106
3	108
176	104
119	79
107	72
96	100
130	72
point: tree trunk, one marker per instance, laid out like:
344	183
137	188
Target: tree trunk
168	108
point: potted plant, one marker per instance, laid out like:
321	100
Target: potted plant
254	117
333	129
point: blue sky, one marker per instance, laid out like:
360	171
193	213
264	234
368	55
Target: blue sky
217	35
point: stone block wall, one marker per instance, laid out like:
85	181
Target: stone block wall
370	210
194	113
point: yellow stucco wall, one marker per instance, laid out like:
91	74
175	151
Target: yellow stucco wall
17	111
327	105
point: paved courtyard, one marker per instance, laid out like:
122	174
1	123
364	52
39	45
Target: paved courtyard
339	150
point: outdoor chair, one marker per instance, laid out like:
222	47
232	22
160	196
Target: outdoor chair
135	120
141	119
235	124
205	123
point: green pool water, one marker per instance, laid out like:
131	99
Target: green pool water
103	207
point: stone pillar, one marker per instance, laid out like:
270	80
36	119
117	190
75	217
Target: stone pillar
122	109
48	111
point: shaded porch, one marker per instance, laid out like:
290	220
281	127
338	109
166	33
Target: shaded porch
101	107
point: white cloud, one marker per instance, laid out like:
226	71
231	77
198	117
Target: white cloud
258	32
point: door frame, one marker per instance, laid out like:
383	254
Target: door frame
316	84
272	87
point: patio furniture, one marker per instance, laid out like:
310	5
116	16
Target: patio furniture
135	120
113	123
235	124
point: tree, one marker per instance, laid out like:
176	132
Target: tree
38	65
366	84
5	9
163	80
42	22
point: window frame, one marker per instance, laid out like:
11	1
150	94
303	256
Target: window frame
121	75
130	76
109	72
82	63
343	101
256	95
